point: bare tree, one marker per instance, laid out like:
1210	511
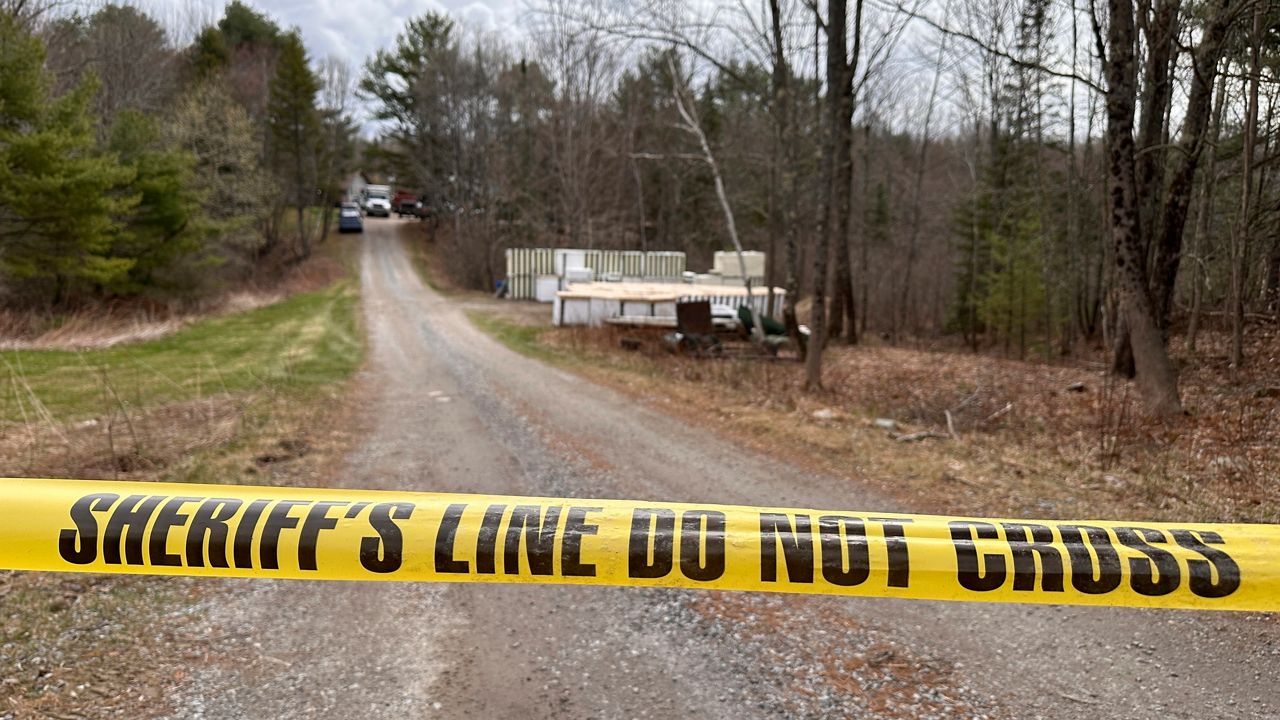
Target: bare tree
126	49
29	13
1156	378
783	218
692	124
913	233
1241	232
837	169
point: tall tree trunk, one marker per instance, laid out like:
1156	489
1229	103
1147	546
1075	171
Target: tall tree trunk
1161	31
303	238
837	11
864	279
1074	241
1203	214
835	318
844	306
1156	379
837	174
1241	236
786	211
844	188
1166	224
1191	144
775	232
689	114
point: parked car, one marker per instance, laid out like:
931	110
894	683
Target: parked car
409	207
349	219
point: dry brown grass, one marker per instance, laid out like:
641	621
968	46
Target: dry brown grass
78	645
112	645
1026	442
425	250
123	322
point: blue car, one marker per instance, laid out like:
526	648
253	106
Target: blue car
349	219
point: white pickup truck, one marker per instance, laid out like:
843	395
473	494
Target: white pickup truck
377	200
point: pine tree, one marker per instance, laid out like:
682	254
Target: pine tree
242	25
61	199
209	54
293	124
166	227
411	86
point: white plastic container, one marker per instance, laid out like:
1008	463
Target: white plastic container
546	288
579	274
726	264
567	258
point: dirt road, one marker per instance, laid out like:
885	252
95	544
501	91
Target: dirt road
452	410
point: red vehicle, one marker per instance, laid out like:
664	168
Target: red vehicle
406	204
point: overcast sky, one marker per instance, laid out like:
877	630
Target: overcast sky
349	29
355	29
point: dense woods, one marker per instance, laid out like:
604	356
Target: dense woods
138	163
1032	178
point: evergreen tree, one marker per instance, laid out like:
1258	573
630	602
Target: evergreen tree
293	125
412	84
209	54
1014	295
61	199
242	25
166	227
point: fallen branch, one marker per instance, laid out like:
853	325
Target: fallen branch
999	413
918	436
1255	316
967	401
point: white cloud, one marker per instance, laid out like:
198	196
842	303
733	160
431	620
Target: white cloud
353	30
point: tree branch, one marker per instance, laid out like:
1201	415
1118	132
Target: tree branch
1017	61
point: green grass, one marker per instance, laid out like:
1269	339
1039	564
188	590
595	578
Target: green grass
521	338
306	342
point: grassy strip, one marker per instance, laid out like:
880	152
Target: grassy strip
254	397
524	339
307	341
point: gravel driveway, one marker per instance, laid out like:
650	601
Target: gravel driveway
452	410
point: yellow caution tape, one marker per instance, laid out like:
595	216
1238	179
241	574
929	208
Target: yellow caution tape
270	532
